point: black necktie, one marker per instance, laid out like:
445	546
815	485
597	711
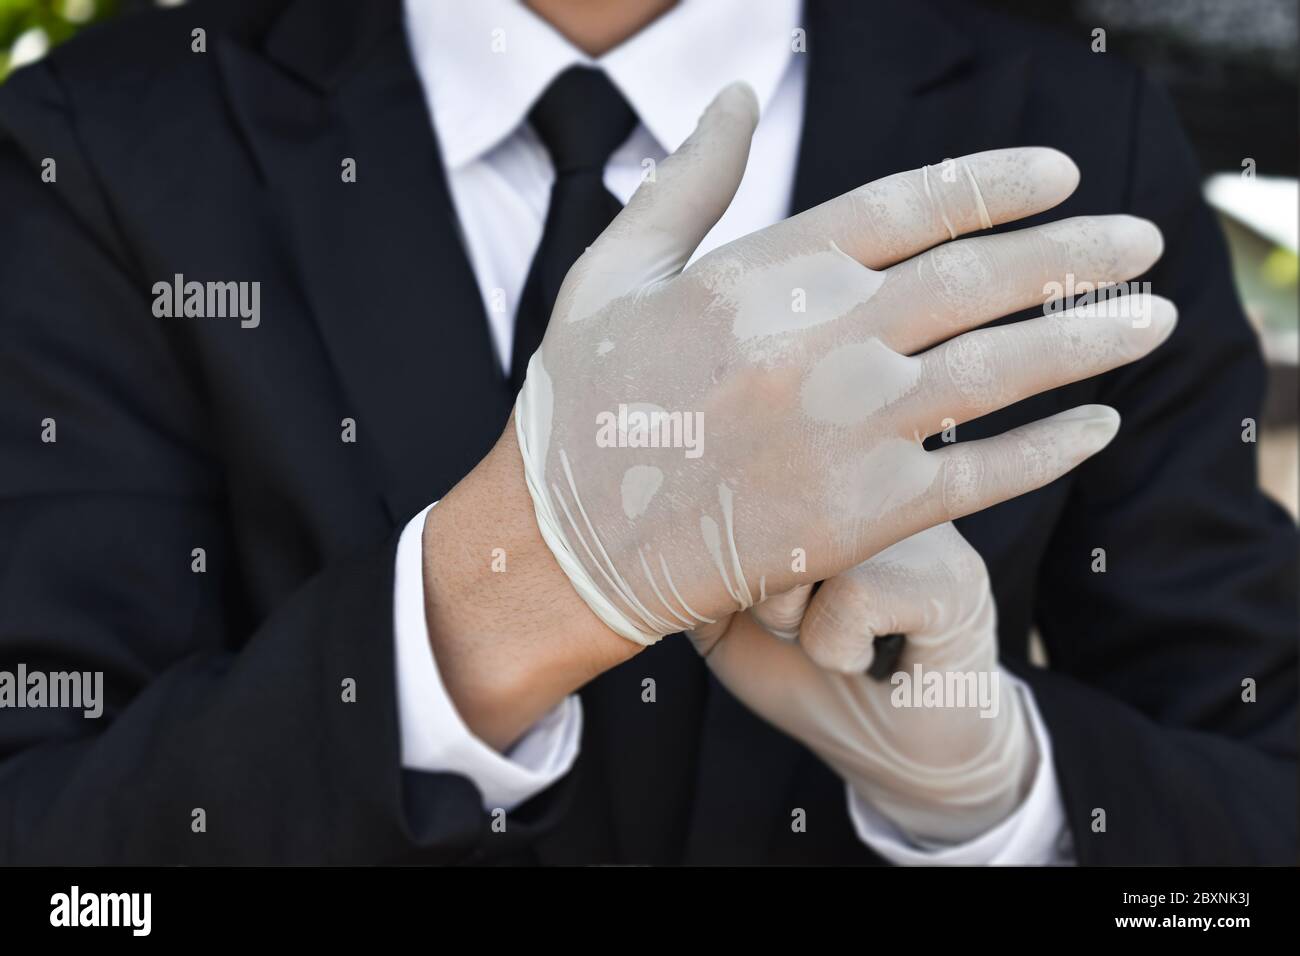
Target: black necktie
581	119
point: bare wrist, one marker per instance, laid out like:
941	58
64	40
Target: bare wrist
510	634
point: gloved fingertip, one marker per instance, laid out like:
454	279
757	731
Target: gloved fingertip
738	98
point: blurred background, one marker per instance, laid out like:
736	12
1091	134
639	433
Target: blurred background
1232	71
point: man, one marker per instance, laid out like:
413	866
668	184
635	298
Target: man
230	522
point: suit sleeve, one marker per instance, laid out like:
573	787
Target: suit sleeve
1171	698
222	739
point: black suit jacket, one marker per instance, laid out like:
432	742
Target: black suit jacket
175	434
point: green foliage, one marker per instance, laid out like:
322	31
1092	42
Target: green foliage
42	23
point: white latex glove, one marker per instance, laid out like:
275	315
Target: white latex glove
804	365
943	774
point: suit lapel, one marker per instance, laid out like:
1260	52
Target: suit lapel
893	86
380	259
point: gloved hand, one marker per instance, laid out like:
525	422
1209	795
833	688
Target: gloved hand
942	774
794	373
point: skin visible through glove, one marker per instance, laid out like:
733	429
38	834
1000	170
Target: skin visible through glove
818	356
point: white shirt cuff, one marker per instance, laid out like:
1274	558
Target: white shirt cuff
1034	835
433	736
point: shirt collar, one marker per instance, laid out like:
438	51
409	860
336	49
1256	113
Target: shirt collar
484	64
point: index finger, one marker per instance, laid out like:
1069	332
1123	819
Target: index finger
891	219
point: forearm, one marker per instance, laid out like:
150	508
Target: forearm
510	644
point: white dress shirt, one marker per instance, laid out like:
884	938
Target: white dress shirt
482	66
